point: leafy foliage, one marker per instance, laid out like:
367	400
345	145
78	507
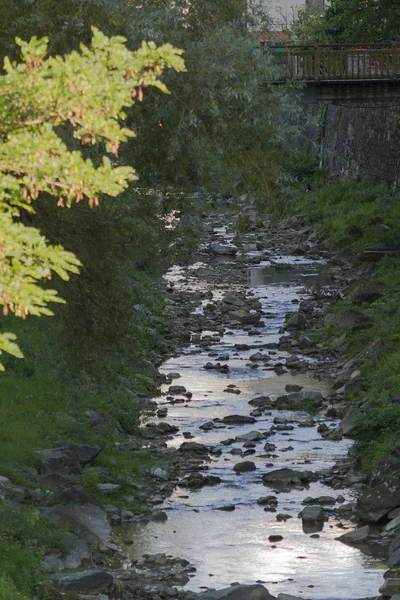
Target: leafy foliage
41	99
351	21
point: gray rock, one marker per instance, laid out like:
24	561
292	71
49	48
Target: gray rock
244	467
287	477
159	473
252	436
238	420
390	587
244	316
377	501
108	488
297	321
76	551
223	249
91	520
288	597
239	592
354	320
67	458
313	513
176	390
316	399
84	581
193	447
355	537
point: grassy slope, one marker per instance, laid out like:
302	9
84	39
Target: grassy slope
353	215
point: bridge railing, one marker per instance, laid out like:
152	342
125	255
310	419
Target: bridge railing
336	63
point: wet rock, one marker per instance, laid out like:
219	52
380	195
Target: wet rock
244	316
270	500
238	420
244	467
289	596
291	387
227	508
193	447
268	447
262	402
356	537
283	517
239	592
176	390
223	249
197	480
313	513
297	321
275	538
287	477
252	436
319	500
84	581
159	516
390	587
242	347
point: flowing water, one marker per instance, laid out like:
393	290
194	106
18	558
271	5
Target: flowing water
226	547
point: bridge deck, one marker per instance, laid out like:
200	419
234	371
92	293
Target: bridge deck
336	63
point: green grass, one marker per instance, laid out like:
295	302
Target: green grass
352	215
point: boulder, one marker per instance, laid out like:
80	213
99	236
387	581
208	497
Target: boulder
92	521
252	436
390	587
193	447
67	458
287	478
244	467
297	321
223	249
86	582
377	501
355	320
239	592
313	513
355	537
176	390
238	420
244	316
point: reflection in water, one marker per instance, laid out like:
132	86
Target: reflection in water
233	546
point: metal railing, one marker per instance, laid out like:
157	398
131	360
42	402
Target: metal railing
336	63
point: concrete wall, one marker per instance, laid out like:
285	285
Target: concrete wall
359	142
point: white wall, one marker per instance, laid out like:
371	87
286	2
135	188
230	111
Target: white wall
283	12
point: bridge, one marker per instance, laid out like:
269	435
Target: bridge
362	73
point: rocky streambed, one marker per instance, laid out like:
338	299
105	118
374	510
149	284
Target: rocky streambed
261	486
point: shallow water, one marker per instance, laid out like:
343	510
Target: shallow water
233	546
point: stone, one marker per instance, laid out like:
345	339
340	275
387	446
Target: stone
159	516
239	592
287	477
227	508
223	249
319	500
313	513
275	538
315	399
291	387
76	551
355	537
244	316
288	597
377	501
390	587
244	467
108	488
193	447
67	458
296	321
84	581
354	320
252	436
262	402
238	420
91	520
159	473
176	390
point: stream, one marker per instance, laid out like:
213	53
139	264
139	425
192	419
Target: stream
233	545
